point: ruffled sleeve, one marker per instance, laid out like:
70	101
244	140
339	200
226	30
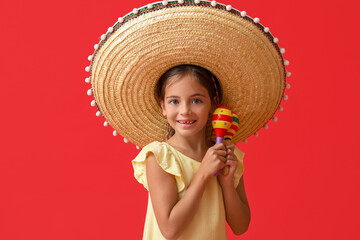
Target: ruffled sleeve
240	168
166	160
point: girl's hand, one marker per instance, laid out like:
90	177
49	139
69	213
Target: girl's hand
213	161
226	177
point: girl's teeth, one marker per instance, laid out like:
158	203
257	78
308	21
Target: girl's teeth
186	122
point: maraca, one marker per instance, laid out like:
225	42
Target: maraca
233	128
221	122
230	134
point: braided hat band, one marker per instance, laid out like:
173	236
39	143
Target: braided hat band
144	44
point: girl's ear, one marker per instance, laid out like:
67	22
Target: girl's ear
163	108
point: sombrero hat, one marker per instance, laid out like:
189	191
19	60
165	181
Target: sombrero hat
141	46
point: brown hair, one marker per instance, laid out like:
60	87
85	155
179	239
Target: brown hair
205	78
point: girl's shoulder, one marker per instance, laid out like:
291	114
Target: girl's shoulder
155	145
159	149
165	157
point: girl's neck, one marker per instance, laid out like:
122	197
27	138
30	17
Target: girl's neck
189	144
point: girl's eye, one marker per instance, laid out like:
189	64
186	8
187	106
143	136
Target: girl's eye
197	101
174	101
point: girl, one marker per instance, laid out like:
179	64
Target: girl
132	60
186	200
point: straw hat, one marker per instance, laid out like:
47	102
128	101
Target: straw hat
144	44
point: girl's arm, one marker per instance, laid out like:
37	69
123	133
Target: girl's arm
172	214
236	207
235	200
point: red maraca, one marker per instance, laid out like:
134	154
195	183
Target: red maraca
221	122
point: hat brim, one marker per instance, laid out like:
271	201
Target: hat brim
128	64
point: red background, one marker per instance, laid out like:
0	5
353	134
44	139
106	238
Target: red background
64	176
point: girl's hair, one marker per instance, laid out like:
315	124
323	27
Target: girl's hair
205	78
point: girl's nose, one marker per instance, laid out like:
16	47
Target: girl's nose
185	109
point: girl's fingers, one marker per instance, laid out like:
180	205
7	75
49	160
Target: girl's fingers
232	146
230	150
232	161
221	152
230	156
219	146
222	159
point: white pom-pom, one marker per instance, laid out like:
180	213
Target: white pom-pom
266	29
137	147
286	62
213	3
285	97
87	80
125	140
282	50
256	134
93	103
281	109
164	3
275	119
266	126
90	57
135	11
149	6
103	37
110	29
89	92
245	141
87	69
288	74
181	1
256	20
287	86
276	40
120	19
228	7
115	133
197	1
96	46
98	113
243	13
106	123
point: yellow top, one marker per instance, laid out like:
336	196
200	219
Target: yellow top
209	221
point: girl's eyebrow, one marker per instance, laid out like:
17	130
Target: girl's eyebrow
194	95
198	94
172	97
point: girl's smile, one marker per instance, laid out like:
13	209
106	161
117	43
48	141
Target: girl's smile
186	123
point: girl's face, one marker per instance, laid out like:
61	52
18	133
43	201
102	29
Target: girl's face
186	105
